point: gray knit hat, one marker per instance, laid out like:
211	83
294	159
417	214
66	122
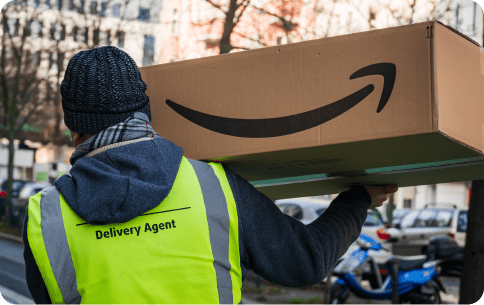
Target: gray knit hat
101	88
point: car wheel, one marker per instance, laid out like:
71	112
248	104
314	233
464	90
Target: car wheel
434	298
432	292
339	294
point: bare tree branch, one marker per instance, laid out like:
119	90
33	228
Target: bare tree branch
216	6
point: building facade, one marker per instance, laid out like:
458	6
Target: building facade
47	33
58	29
193	28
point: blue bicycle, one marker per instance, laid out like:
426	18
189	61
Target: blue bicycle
418	279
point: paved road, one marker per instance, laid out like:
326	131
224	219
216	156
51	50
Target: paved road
12	268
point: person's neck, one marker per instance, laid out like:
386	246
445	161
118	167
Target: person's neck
82	139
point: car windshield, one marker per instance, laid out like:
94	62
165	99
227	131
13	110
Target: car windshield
320	211
372	220
425	219
36	190
409	219
15	186
397	214
442	219
25	191
462	222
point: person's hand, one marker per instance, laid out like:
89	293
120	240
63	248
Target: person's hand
380	193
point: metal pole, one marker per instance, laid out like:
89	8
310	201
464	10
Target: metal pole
395	281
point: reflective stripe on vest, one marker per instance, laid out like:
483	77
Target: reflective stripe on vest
49	245
66	273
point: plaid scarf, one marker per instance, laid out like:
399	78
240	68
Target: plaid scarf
135	127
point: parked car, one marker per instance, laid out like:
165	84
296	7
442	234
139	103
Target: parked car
16	186
307	212
412	235
373	226
304	211
398	215
19	204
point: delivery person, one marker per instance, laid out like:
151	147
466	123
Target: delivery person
135	221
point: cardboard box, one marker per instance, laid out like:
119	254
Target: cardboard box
400	105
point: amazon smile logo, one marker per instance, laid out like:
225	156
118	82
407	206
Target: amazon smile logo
281	126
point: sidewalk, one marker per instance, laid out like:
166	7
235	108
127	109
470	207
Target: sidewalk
10	237
269	293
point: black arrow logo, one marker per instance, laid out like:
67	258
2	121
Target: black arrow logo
275	127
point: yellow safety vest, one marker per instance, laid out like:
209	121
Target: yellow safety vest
185	250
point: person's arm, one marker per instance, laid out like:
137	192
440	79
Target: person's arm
283	250
35	282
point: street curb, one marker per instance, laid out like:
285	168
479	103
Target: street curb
249	301
13	238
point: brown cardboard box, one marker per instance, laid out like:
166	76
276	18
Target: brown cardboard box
400	105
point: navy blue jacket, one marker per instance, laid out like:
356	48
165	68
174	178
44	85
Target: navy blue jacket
122	183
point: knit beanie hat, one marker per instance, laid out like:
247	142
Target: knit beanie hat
101	88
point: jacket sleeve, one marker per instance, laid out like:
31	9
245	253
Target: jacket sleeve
282	249
35	282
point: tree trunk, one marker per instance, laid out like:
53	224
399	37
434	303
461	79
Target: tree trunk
472	279
225	45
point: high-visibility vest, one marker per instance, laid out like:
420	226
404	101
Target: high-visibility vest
185	250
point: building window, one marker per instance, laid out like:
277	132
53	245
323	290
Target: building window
407	203
71	5
57	31
104	6
59	4
37	58
94	7
174	22
279	40
95	37
56	60
148	50
117	10
47	4
81	7
36	3
36	28
75	31
52	31
83	35
120	37
60	61
11	26
105	38
144	15
31	58
17	27
28	28
51	60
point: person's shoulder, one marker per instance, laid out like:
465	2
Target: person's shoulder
49	193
